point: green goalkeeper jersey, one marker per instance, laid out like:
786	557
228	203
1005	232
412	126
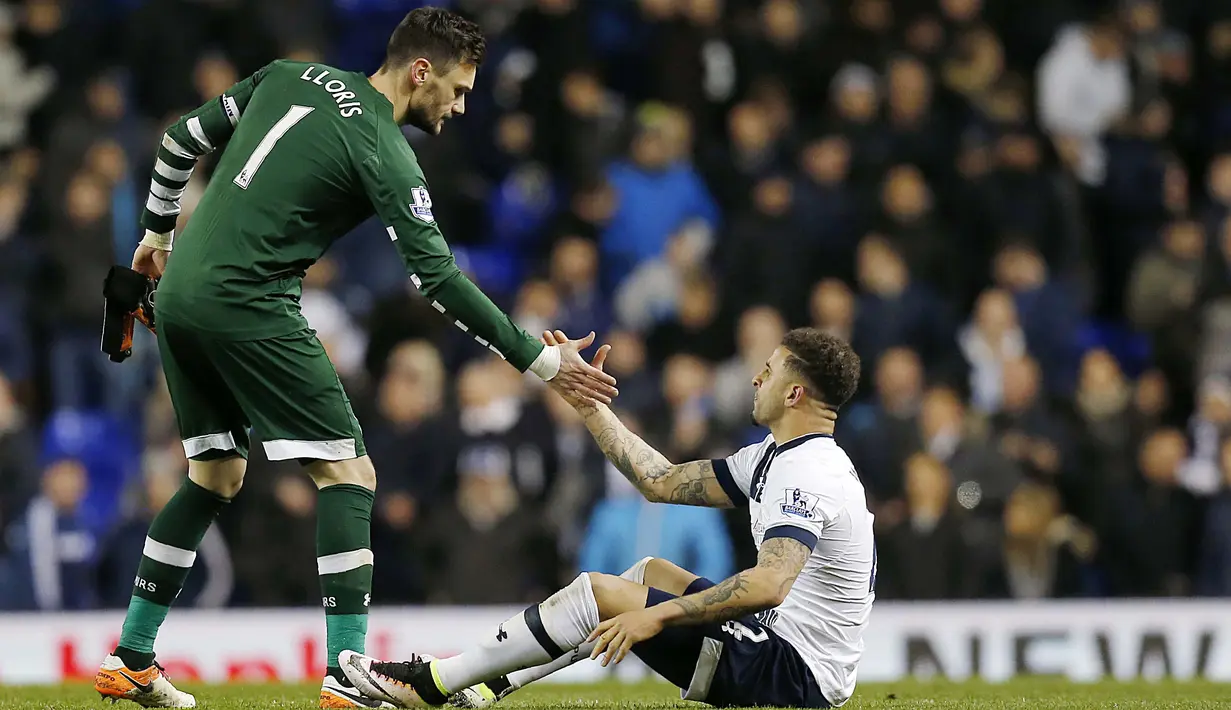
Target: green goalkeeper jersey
310	152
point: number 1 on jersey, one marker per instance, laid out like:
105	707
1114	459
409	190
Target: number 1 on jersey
284	124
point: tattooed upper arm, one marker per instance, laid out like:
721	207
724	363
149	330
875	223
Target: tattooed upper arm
783	558
693	483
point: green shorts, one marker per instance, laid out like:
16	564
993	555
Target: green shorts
285	388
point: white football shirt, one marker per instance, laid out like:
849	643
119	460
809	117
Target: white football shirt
807	489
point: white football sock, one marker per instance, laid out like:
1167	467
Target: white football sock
520	679
538	635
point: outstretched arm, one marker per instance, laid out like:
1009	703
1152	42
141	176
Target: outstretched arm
659	480
765	586
398	192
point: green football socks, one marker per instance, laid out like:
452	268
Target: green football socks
344	562
170	549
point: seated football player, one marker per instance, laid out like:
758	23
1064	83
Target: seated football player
786	633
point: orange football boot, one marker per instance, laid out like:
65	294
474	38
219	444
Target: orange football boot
148	688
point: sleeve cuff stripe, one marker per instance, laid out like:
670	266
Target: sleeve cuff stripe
163	192
170	174
176	149
722	471
797	534
197	131
174	161
162	208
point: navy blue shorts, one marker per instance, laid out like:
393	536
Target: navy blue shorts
740	663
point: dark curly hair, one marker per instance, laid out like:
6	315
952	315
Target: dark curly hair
827	364
444	38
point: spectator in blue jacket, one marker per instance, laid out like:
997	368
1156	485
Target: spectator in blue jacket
50	564
1048	309
896	311
658	190
212	578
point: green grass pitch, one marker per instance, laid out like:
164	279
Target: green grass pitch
1035	694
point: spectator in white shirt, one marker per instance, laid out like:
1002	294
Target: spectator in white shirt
1083	89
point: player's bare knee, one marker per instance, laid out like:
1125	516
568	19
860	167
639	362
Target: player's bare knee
667	576
356	472
599	581
601	585
222	476
615	595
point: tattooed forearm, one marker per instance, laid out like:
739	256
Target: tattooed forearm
634	458
731	599
762	587
656	477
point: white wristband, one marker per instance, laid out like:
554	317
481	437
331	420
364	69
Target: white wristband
154	240
547	364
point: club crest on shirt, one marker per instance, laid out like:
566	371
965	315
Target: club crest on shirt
421	205
799	503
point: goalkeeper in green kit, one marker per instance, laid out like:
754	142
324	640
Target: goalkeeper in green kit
307	153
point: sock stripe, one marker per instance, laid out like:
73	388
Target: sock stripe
534	621
168	555
344	561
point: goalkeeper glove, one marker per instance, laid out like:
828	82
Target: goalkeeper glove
128	297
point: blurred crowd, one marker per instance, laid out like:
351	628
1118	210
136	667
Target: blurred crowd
1018	212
